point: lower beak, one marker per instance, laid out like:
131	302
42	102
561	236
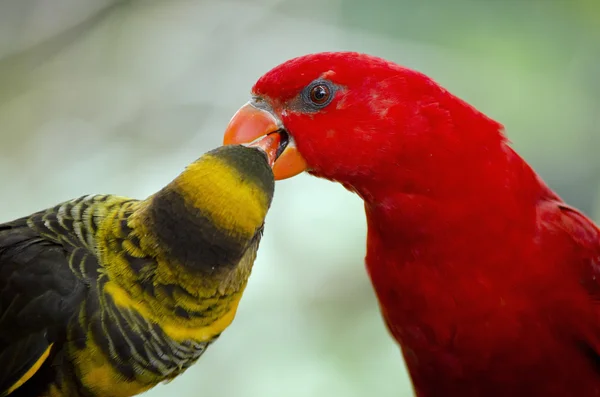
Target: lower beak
259	127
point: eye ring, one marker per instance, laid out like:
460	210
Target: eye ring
319	94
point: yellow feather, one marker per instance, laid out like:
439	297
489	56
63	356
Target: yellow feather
175	329
31	371
207	184
97	374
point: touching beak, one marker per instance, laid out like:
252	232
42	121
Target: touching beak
257	126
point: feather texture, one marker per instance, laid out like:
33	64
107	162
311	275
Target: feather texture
106	295
485	277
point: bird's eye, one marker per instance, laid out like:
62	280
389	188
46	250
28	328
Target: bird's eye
319	94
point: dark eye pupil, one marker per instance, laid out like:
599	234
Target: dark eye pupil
319	94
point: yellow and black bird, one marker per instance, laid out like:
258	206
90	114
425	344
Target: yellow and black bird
106	296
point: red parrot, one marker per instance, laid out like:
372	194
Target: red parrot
487	280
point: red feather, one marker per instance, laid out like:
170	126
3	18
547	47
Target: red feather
486	278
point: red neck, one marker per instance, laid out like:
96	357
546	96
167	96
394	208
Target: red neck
484	197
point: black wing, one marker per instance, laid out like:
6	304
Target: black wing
38	296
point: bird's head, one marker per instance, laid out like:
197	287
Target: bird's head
359	120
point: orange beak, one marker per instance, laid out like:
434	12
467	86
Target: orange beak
259	127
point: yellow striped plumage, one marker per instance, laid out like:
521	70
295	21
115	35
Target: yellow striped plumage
136	289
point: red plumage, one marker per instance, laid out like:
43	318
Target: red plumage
487	279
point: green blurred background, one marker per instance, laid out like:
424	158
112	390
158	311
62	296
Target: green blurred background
106	96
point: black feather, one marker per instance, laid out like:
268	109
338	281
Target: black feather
39	294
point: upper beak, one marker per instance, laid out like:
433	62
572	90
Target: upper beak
253	125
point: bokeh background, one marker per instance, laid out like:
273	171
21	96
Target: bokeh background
109	96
